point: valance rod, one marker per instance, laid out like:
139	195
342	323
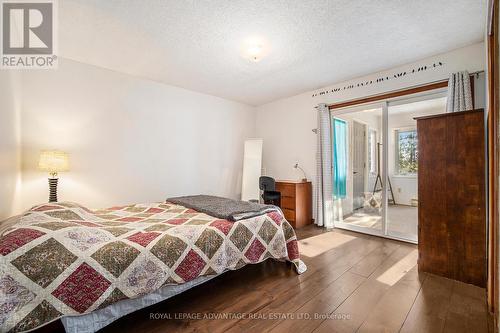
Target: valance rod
396	93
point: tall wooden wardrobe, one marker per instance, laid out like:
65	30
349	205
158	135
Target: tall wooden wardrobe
452	196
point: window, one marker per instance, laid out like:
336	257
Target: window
372	150
406	152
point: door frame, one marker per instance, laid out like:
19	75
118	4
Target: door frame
493	116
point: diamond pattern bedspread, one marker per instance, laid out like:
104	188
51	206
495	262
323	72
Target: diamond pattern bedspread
63	259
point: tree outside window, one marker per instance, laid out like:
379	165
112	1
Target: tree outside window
407	152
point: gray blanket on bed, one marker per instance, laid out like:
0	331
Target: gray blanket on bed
223	208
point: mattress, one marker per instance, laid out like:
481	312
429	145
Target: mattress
65	261
94	321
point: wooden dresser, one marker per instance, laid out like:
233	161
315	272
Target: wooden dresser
452	196
296	201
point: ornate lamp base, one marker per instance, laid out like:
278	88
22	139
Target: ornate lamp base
53	189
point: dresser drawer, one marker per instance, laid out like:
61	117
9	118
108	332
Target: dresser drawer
288	202
289	214
287	190
296	202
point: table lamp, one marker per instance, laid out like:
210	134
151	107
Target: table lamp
53	161
296	166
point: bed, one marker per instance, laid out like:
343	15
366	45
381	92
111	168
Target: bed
90	268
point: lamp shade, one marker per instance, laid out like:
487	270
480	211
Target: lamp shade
53	161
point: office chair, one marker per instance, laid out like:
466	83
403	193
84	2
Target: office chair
269	194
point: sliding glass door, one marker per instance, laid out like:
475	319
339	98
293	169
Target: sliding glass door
402	166
375	165
357	169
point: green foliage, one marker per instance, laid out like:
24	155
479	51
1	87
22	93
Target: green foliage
407	144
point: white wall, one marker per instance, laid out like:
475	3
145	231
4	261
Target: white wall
439	67
130	140
285	125
9	143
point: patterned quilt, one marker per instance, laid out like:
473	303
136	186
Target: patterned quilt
63	259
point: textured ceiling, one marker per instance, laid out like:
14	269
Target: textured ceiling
197	44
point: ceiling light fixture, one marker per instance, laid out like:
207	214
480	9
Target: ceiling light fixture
254	48
255	52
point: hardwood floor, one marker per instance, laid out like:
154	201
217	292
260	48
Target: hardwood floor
354	283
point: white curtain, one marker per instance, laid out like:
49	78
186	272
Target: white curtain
323	192
459	93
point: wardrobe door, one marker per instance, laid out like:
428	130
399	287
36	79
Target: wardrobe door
452	197
432	213
473	261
